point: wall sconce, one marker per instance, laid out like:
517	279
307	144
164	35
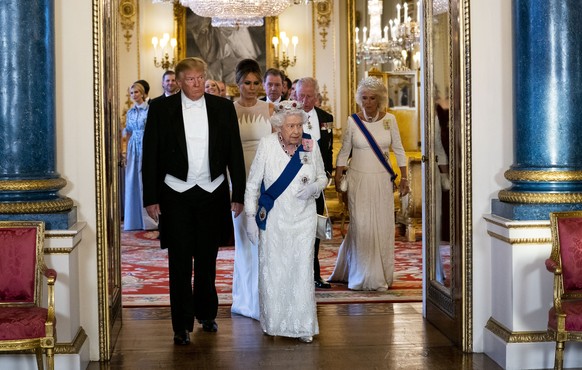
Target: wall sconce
165	44
281	44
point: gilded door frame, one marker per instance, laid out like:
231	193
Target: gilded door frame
450	309
460	301
108	220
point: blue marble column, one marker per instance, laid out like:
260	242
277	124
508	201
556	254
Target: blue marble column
547	172
29	182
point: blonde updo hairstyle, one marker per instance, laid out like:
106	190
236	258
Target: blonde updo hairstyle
139	87
285	109
374	86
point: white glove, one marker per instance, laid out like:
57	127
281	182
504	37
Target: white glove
445	182
308	191
252	230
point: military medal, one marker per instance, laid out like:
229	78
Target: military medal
262	214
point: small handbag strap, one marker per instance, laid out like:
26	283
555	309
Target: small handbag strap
324	203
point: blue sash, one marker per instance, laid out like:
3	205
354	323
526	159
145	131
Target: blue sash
375	147
268	196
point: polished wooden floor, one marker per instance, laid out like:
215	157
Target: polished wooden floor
352	336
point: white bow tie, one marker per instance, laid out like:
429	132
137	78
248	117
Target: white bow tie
188	104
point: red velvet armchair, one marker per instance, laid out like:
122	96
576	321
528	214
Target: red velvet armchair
565	262
24	324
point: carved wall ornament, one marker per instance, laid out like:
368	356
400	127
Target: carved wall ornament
325	99
509	336
323	9
127	12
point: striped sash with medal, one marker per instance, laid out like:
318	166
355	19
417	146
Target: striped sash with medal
375	147
268	196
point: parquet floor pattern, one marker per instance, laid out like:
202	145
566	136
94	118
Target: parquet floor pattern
352	336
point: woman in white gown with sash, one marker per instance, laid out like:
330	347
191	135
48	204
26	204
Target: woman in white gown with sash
366	256
286	247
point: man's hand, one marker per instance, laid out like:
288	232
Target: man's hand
237	208
154	212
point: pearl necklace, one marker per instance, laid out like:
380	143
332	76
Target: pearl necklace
373	119
285	147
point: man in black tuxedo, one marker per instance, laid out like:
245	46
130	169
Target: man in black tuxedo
320	126
169	85
191	139
273	85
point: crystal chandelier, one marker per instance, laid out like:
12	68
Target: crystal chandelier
237	13
397	40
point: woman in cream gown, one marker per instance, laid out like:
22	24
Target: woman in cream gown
366	256
253	119
286	246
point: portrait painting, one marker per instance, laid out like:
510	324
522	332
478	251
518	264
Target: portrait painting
222	47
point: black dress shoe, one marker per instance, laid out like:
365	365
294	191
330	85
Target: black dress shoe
182	337
209	325
320	283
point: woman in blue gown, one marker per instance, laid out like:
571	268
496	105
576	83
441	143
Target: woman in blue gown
135	216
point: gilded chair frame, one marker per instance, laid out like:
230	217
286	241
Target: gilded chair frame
46	343
554	265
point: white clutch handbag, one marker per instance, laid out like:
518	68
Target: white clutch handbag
343	185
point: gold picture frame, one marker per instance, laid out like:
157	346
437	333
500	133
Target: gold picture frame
271	28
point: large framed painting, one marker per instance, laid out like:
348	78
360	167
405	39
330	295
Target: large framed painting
222	47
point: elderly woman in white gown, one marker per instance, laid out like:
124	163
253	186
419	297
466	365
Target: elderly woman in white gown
286	176
366	256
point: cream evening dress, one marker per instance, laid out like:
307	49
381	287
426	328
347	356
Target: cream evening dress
366	256
286	290
253	125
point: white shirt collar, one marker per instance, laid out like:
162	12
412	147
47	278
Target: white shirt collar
188	103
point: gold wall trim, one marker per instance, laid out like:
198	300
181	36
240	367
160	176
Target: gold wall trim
127	12
74	347
540	241
517	337
45	206
180	30
351	21
59	250
515	175
538	198
519	226
467	176
32	185
324	9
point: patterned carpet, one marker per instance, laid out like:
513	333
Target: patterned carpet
145	273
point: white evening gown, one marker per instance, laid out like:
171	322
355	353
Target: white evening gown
253	125
286	290
366	256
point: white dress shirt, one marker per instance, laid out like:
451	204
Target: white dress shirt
274	102
196	130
